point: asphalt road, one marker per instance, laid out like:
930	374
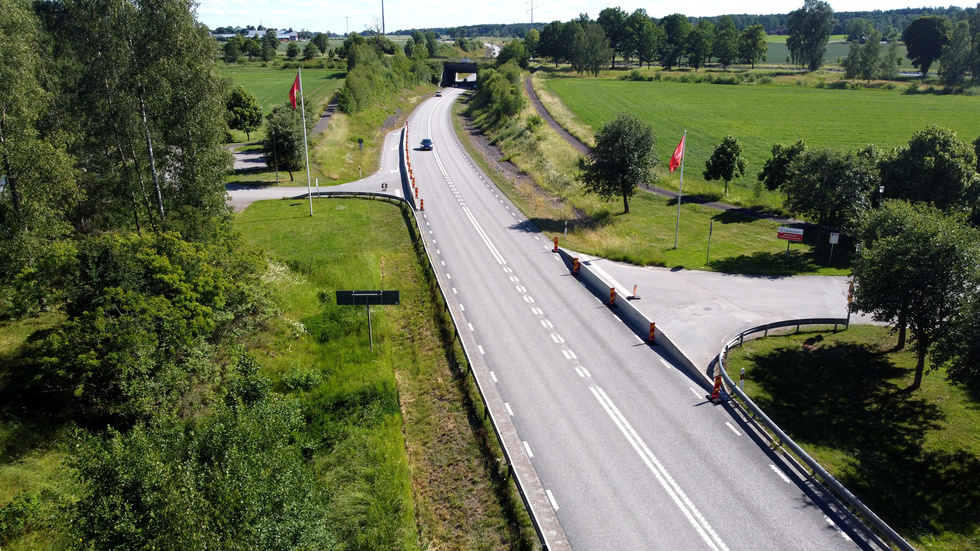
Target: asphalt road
631	454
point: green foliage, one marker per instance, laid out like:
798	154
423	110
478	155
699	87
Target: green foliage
244	111
143	316
752	46
21	515
234	479
726	162
955	59
676	28
531	41
809	31
283	144
916	265
726	42
623	157
830	187
500	92
292	50
514	50
370	77
925	39
935	167
310	51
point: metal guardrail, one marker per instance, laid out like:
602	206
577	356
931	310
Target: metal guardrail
552	537
785	440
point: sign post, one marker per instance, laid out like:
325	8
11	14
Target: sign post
791	235
834	238
367	298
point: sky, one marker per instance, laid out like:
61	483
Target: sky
357	15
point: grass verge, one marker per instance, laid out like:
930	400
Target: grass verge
404	445
540	179
914	458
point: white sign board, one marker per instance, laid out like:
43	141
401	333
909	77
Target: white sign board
790	234
834	238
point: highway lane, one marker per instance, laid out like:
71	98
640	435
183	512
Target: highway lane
629	450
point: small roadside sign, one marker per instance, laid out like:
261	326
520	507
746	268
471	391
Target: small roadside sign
834	238
790	234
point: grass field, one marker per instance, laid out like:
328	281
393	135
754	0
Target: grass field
760	115
549	196
402	452
914	458
270	86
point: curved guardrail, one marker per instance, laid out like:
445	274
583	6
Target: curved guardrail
785	440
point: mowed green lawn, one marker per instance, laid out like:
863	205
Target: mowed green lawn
271	85
760	115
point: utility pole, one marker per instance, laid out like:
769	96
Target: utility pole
530	10
382	17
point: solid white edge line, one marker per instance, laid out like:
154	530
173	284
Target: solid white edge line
666	364
781	474
733	429
551	498
838	528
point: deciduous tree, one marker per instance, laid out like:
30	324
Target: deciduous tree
244	111
726	42
925	39
955	60
914	269
613	22
935	167
726	162
622	158
809	31
676	28
752	45
776	172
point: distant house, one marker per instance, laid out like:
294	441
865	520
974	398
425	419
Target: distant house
283	36
779	32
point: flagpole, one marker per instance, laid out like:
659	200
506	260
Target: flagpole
306	148
680	190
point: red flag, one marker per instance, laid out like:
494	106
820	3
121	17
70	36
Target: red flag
675	160
293	90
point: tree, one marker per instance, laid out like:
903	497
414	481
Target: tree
244	111
283	143
830	187
596	52
232	50
864	61
726	42
292	50
752	44
649	42
935	167
514	50
310	51
270	43
531	41
699	46
975	50
322	42
809	31
857	28
623	157
958	345
776	172
570	45
955	60
915	266
726	162
613	23
550	44
925	39
676	28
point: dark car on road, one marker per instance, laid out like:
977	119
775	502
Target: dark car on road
426	144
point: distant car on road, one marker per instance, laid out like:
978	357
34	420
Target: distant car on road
438	93
426	144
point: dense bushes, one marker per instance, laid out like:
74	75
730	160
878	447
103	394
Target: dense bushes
500	93
144	313
371	76
236	479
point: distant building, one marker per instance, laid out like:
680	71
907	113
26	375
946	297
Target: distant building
283	36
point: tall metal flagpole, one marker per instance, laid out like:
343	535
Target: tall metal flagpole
306	148
680	189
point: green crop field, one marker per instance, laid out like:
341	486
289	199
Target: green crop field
760	115
270	85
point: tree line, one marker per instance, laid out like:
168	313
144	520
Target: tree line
113	221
